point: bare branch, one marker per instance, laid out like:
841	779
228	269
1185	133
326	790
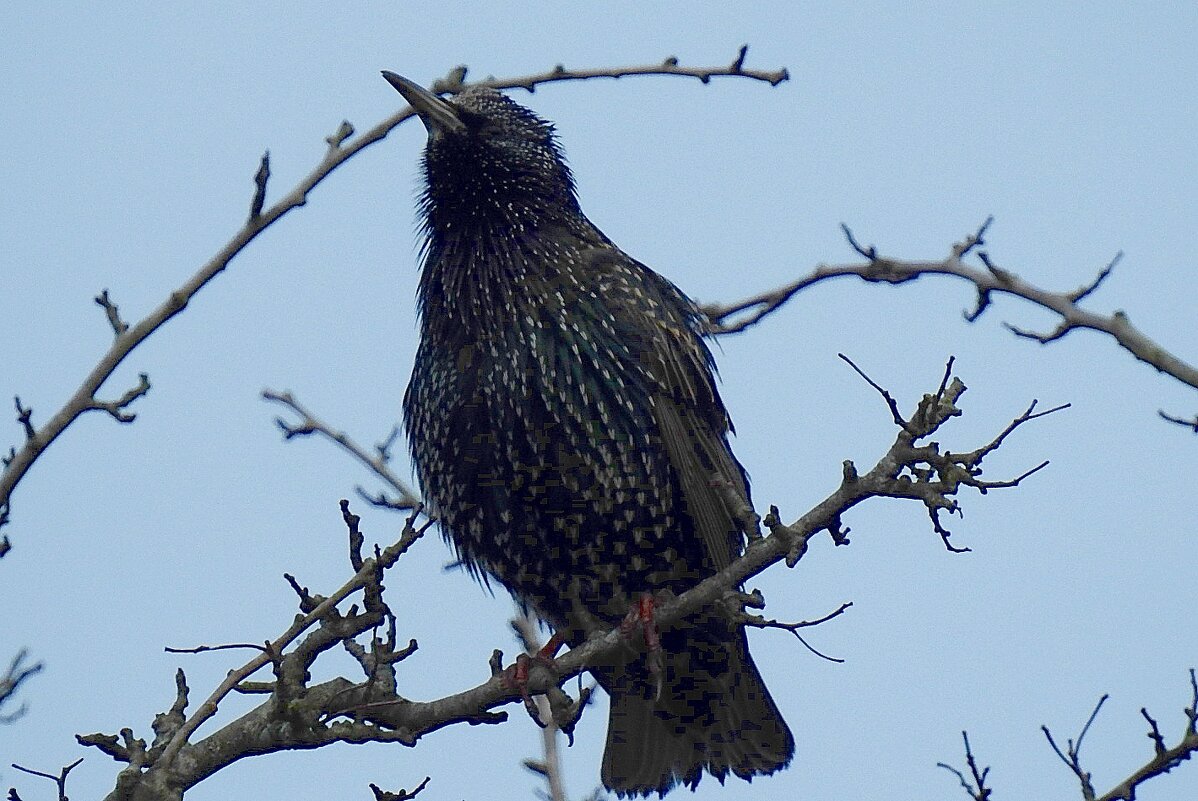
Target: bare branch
455	81
25	418
1164	759
978	789
402	795
549	766
16	675
761	622
117	407
1190	424
60	780
310	424
739	316
119	326
296	714
84	399
260	179
895	414
1072	755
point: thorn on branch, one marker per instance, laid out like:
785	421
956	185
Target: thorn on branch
797	540
119	326
1003	276
260	179
1192	709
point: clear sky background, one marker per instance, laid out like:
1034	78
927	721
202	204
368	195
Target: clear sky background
130	138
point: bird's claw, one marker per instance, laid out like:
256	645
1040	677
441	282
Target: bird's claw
642	614
515	677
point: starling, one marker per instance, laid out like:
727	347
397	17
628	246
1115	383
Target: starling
567	431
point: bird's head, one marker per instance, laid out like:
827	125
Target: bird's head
488	155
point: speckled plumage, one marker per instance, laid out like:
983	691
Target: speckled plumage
566	428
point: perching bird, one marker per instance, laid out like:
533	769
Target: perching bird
567	431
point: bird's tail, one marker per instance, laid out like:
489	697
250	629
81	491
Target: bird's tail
713	714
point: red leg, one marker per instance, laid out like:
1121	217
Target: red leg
516	674
642	613
549	650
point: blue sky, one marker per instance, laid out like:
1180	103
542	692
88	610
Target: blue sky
131	135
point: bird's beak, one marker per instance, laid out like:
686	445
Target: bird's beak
438	116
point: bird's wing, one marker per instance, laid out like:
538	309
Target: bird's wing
689	413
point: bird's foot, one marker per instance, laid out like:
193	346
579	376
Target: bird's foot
642	614
515	677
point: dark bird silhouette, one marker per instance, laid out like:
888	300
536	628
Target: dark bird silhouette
566	429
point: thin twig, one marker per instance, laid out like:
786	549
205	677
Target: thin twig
343	146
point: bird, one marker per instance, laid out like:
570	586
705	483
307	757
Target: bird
566	429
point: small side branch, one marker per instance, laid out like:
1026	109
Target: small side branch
761	622
378	463
60	781
455	81
403	795
25	418
260	179
341	148
119	326
294	713
1072	754
1190	424
988	280
18	673
117	407
1164	758
974	784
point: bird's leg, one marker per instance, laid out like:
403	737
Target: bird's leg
642	613
516	675
516	678
549	649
